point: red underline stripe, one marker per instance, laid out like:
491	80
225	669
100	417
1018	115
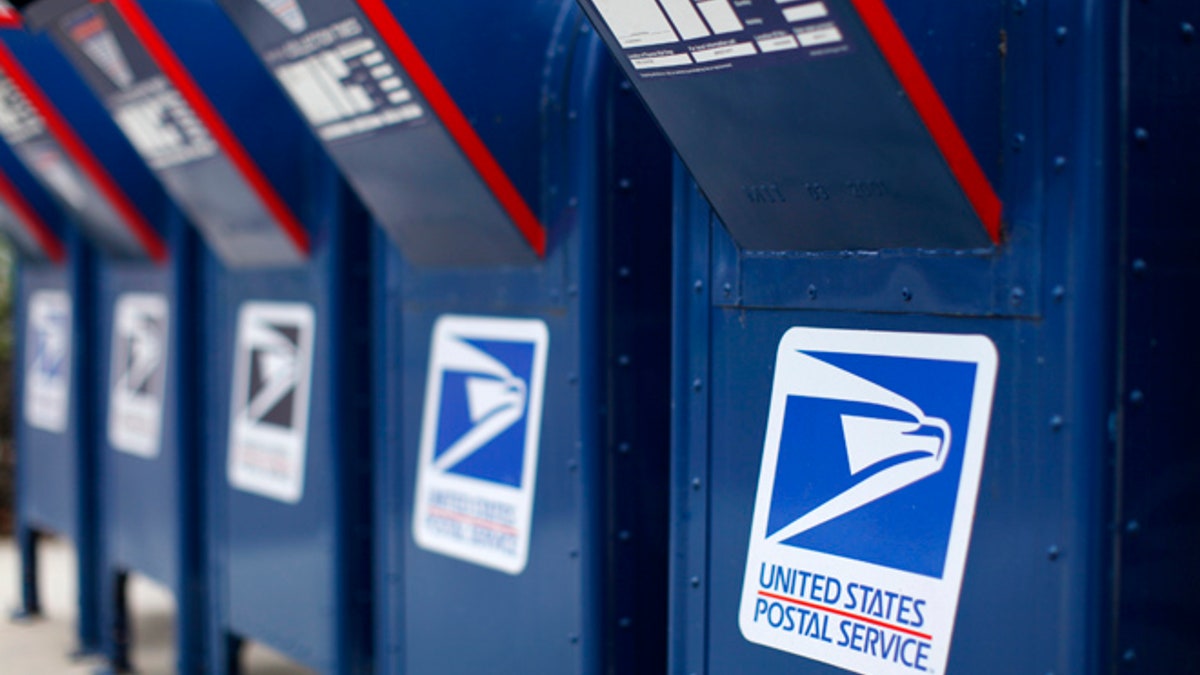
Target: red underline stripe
848	615
32	221
455	515
173	68
87	162
10	18
456	123
929	105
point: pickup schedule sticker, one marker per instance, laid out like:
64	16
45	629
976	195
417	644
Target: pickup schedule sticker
664	38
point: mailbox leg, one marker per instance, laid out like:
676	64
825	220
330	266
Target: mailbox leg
118	654
31	606
233	655
225	650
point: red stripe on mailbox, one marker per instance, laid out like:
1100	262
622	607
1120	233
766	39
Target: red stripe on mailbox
32	221
10	18
456	123
173	68
84	159
920	90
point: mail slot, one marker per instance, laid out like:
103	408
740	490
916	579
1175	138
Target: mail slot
280	322
911	335
521	325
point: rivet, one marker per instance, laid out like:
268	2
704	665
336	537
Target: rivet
1059	292
1136	397
1060	163
625	622
1132	526
1053	552
812	291
626	85
1060	34
1129	655
1187	31
623	360
1016	296
698	285
1056	422
727	288
572	465
696	483
573	638
624	535
1019	6
1138	265
572	379
906	294
572	115
624	272
624	183
573	553
695	582
1018	141
1141	135
623	448
697	385
573	202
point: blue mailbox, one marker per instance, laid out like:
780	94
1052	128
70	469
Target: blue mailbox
914	336
281	328
82	164
143	444
521	321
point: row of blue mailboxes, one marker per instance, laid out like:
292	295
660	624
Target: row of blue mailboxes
726	336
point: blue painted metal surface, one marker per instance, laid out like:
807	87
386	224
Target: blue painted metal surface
146	505
295	576
263	550
54	478
150	498
590	598
1062	575
1156	519
60	488
532	86
281	231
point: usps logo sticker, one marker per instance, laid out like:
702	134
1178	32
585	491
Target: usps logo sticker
139	373
48	360
272	377
480	431
866	497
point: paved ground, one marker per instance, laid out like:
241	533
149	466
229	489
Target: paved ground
41	647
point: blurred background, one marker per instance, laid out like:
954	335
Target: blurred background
7	453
